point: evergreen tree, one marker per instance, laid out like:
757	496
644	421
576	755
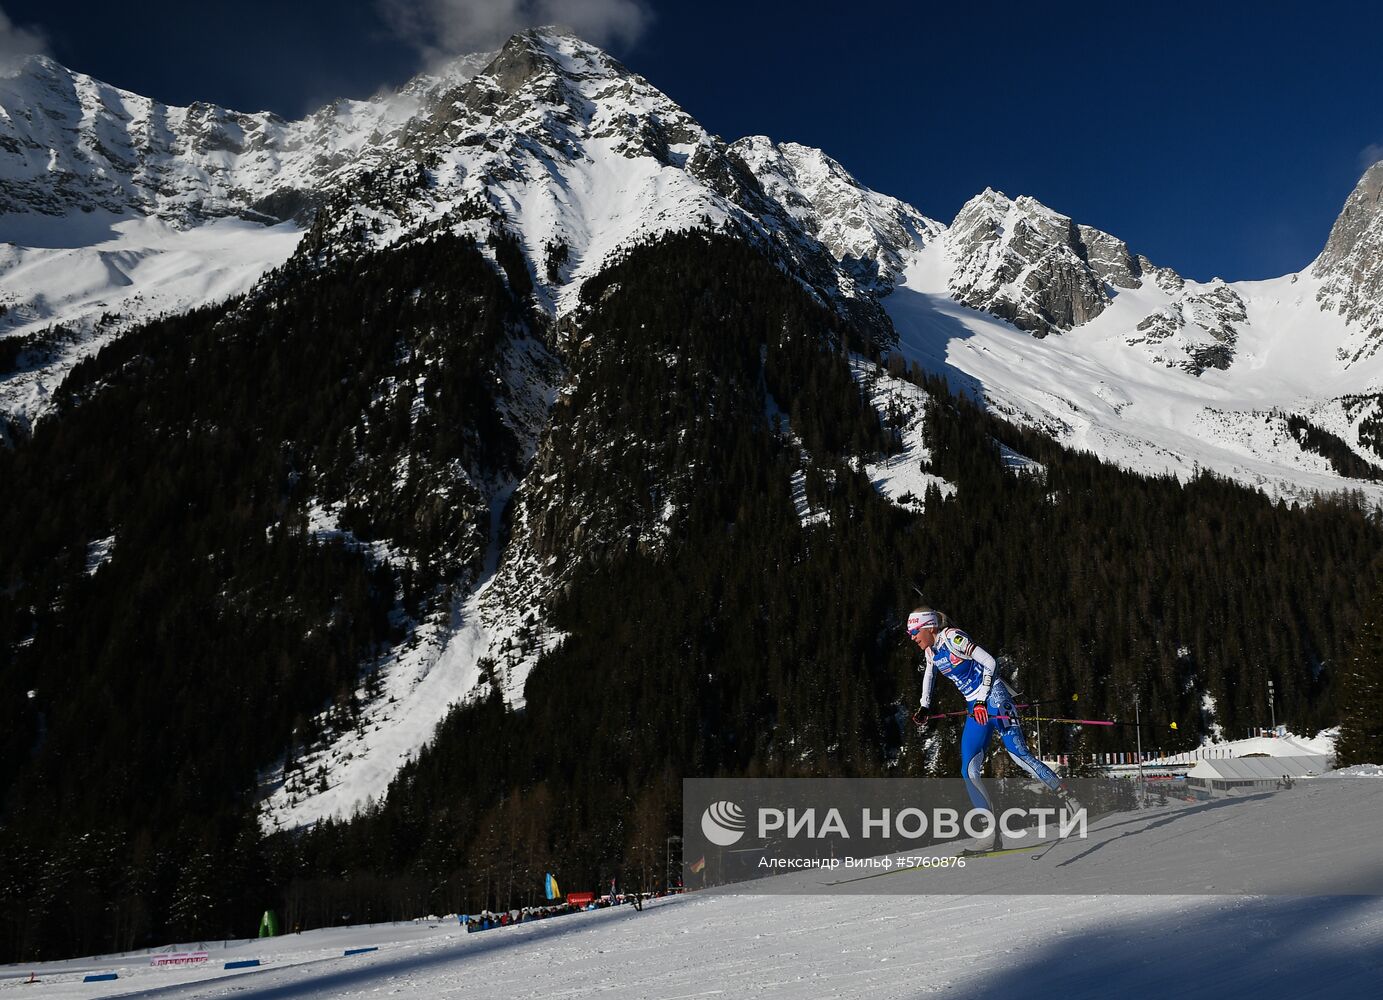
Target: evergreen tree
1361	692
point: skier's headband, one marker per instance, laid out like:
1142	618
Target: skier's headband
918	621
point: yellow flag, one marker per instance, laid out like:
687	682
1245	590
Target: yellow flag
1174	725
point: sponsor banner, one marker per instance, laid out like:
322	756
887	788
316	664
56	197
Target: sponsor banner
1107	834
170	958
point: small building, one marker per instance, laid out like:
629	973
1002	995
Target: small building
1220	774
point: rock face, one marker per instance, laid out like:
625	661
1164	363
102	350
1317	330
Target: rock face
1197	330
1032	266
1351	266
70	142
866	231
1024	262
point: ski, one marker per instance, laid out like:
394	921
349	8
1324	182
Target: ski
967	853
861	878
1048	849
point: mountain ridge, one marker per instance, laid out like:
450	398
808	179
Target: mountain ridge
573	159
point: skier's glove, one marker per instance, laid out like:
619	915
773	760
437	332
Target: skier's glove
921	720
981	714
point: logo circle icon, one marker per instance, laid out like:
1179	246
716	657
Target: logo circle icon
723	823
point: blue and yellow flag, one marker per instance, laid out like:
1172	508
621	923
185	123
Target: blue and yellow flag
551	887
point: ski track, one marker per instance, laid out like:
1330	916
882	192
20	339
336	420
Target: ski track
807	947
862	946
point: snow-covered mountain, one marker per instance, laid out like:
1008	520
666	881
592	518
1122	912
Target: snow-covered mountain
558	160
868	233
1350	269
555	143
73	143
1109	352
118	207
115	208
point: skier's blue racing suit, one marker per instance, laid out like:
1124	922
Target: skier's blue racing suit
971	669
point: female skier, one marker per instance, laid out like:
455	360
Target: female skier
990	709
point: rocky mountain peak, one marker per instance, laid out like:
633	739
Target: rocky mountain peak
549	63
525	58
1361	211
867	232
1351	265
445	76
1033	266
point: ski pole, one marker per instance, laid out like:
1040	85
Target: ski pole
1035	718
945	715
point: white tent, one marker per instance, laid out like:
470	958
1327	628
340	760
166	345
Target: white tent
1270	746
1224	773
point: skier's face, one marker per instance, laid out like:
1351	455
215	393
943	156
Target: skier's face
924	638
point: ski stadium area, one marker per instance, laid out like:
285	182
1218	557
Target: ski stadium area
1320	933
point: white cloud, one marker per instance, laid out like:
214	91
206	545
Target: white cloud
17	42
1370	155
443	28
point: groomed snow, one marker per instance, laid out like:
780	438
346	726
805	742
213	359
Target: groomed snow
860	947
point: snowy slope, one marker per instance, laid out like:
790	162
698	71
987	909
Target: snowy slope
100	274
902	477
1091	391
115	208
968	943
562	146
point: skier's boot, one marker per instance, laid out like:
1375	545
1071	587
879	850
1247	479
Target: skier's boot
1072	804
987	844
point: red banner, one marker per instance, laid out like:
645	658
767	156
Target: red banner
580	898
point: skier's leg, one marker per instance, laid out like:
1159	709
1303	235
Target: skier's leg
1011	733
973	739
1017	748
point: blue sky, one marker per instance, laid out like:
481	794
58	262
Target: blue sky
1219	138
